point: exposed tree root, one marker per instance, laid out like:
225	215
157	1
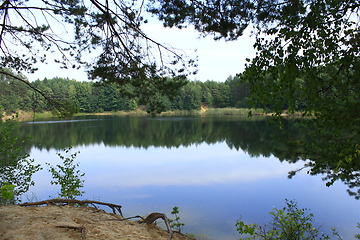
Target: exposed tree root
152	217
55	201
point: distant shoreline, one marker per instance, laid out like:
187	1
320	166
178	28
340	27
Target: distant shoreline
23	116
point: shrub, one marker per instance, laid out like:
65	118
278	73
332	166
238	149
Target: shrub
67	176
289	223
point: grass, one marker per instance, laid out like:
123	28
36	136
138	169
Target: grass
215	111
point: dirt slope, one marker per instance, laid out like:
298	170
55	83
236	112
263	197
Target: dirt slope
66	222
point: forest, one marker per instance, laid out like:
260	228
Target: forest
89	97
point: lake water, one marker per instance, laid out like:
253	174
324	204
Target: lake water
215	169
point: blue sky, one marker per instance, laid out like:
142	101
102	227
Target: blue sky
217	59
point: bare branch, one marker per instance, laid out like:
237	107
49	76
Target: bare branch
4	21
55	201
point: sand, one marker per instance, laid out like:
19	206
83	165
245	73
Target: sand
69	222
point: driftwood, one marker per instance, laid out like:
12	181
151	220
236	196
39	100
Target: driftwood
55	201
152	217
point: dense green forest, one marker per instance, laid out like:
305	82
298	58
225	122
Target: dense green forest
89	97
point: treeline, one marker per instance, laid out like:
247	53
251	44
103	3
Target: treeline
90	98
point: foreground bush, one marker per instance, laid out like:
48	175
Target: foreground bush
289	223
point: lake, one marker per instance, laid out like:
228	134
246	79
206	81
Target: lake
215	169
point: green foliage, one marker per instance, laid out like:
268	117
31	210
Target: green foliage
17	94
130	105
357	236
7	195
222	19
303	55
16	169
289	222
175	223
67	175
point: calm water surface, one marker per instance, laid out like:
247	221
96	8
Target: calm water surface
214	169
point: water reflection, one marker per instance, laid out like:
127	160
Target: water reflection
256	138
212	186
195	165
144	132
213	169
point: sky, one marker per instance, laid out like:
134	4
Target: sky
217	60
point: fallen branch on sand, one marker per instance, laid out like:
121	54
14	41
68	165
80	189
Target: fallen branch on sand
55	201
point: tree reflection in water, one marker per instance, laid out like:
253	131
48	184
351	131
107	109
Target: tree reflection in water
333	152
